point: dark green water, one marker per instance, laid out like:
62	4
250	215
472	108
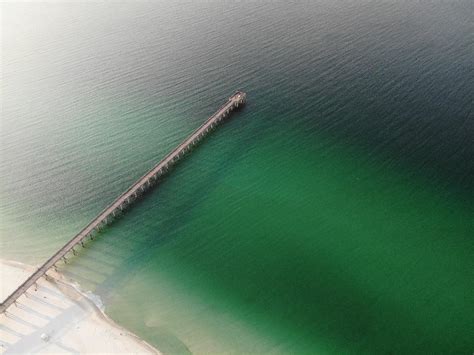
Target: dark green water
334	214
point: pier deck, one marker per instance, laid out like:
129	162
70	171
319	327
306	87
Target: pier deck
127	197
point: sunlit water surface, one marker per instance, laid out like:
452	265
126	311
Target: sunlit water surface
334	214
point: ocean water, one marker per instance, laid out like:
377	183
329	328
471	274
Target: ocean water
333	214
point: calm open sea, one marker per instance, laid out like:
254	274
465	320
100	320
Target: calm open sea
334	214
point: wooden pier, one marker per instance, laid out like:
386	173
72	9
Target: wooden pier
127	197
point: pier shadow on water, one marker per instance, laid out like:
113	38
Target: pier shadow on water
125	247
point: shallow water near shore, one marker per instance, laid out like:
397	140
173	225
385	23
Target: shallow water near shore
332	214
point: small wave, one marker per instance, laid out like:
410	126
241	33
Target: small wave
89	295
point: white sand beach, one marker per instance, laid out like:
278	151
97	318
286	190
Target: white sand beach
57	318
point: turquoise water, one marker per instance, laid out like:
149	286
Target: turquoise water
332	215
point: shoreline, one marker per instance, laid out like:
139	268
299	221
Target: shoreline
59	317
